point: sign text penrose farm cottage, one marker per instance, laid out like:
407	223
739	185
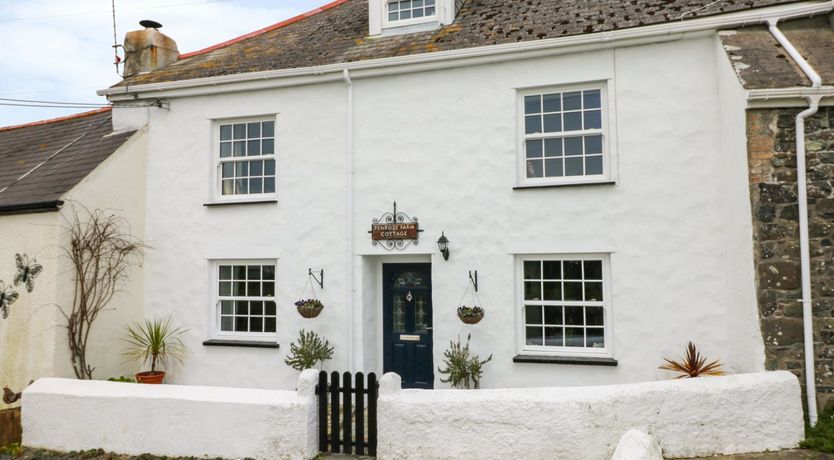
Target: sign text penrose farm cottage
404	231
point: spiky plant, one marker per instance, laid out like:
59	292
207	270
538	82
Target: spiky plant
308	351
464	369
693	364
156	341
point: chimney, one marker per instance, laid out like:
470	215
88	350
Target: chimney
148	49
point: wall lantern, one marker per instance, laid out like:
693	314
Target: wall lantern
443	245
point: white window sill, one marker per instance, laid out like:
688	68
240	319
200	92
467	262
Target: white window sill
552	359
524	186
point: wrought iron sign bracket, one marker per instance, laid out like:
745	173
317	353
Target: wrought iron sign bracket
473	278
405	230
319	280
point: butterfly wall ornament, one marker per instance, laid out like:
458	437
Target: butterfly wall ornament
27	271
7	297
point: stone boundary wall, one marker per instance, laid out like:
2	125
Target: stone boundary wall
771	146
689	418
172	420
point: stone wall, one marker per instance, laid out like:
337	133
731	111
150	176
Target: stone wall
773	193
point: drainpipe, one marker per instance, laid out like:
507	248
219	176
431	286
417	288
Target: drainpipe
802	199
349	194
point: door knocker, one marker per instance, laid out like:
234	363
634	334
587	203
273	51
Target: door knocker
408	296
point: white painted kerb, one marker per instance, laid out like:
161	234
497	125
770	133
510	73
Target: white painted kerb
689	418
172	420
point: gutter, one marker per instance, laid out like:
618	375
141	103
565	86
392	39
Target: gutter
802	201
462	57
26	208
349	205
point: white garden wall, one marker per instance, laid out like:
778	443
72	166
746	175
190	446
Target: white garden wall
171	420
689	418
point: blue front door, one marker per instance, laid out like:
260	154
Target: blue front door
407	323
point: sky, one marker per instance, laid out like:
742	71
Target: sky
62	50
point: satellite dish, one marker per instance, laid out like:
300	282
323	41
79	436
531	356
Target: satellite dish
147	23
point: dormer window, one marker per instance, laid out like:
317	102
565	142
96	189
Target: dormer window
410	9
393	17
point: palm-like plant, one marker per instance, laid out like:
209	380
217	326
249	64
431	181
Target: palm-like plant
693	364
156	341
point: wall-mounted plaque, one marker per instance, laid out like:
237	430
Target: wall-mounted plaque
394	230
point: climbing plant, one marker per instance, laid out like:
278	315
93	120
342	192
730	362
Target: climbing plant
101	251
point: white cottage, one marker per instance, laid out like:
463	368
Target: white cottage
586	162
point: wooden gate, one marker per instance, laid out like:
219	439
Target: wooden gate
344	407
10	430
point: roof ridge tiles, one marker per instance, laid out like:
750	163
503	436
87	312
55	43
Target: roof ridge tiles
56	120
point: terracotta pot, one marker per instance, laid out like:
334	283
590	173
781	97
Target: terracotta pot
150	377
309	312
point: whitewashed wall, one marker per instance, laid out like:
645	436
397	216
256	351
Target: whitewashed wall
35	329
443	145
688	418
30	330
170	420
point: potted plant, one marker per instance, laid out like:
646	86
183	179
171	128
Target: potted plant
309	308
470	315
308	351
156	342
464	369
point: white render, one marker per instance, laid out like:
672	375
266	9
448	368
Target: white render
171	420
637	445
444	145
35	329
688	418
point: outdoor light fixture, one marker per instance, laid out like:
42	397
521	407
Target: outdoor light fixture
443	245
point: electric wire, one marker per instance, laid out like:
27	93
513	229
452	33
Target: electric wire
88	13
34	101
53	106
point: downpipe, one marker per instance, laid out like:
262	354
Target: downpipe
349	206
802	201
805	258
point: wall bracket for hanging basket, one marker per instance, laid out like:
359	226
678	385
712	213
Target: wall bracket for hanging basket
473	278
319	280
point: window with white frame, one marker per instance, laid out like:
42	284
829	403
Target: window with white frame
246	298
400	10
564	304
563	135
246	158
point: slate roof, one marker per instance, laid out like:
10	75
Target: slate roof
338	32
760	62
42	161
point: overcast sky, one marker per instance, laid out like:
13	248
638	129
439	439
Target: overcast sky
61	50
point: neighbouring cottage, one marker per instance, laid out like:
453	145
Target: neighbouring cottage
587	164
48	169
778	91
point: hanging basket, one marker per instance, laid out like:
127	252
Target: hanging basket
309	308
470	315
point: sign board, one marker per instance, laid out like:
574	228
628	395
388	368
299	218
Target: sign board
406	231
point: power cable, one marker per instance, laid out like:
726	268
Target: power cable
88	13
50	102
54	106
